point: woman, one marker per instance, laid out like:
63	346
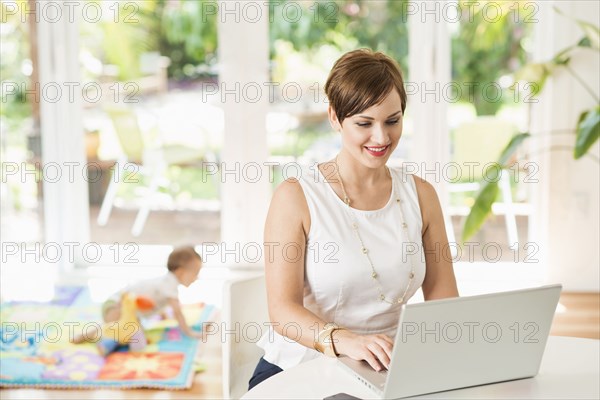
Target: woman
369	236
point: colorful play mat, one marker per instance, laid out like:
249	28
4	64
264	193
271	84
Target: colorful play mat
35	350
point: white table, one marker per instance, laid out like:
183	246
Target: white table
570	369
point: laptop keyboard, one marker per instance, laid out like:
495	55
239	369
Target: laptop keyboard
383	374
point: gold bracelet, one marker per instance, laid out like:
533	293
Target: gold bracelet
333	341
323	343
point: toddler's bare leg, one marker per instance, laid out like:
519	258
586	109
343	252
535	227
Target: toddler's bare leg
112	314
91	333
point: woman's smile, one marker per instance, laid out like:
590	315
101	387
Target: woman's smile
377	151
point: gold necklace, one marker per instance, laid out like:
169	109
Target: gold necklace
365	251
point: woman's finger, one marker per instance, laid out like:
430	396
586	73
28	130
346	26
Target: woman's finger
380	353
386	338
386	346
372	360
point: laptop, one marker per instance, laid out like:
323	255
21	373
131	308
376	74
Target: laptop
465	341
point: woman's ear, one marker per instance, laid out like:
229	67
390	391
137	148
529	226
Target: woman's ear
333	119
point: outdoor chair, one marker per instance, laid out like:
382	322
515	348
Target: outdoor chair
150	161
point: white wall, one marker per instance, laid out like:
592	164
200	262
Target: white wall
565	223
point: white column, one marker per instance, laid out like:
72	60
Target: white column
66	206
429	71
244	69
564	225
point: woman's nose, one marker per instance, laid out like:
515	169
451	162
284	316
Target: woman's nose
379	134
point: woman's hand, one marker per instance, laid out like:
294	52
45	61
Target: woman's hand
374	349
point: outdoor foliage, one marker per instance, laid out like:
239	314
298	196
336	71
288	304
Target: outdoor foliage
15	65
186	32
380	25
180	30
189	38
489	47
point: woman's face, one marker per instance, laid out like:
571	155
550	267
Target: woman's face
372	135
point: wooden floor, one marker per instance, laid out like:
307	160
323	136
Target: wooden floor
579	318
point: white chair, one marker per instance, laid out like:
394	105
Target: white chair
245	313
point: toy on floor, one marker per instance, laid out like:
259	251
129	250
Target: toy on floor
127	330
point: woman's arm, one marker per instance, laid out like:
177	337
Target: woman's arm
439	280
287	225
287	221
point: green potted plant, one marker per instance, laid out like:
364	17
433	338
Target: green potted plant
587	129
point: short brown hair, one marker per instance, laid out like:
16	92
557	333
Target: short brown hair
361	79
180	256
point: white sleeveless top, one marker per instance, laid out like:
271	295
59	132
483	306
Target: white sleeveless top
337	275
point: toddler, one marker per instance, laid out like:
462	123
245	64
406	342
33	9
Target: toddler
183	268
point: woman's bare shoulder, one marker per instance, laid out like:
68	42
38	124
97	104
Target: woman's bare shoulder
289	203
289	191
428	200
424	188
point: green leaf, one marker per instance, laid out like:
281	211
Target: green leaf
481	209
592	32
588	131
486	196
562	57
561	60
511	147
536	74
584	42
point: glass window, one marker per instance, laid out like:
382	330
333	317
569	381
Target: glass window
150	133
486	108
20	140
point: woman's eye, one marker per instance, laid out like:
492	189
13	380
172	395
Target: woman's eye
367	124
